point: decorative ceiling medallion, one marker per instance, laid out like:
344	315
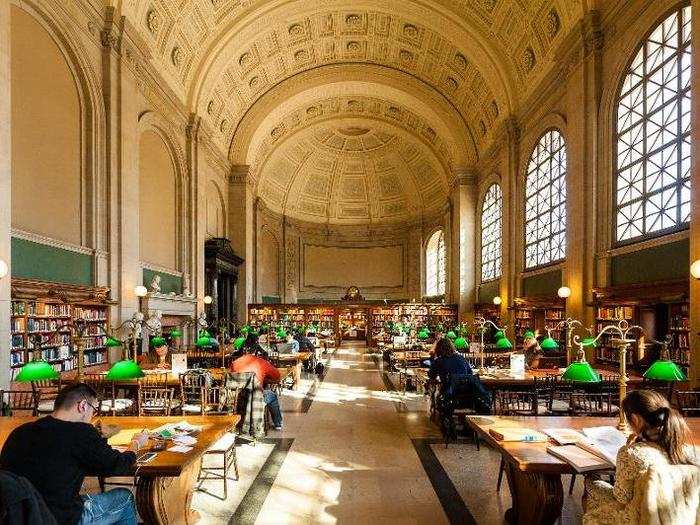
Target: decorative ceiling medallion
353	20
451	83
176	56
296	30
393	112
460	61
406	56
353	131
276	133
410	31
528	59
223	125
244	60
254	82
301	55
355	106
353	46
553	23
153	21
313	111
210	107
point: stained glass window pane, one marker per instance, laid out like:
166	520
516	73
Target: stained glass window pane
435	265
652	165
491	218
545	202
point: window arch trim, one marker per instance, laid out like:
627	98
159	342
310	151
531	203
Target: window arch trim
440	269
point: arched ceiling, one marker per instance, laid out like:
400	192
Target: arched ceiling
273	78
346	171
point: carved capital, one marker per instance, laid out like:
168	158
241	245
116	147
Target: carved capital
240	174
592	32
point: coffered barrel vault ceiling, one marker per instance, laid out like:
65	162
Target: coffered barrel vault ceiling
264	76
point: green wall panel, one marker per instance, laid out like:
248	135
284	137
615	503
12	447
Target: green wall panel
271	299
542	284
489	290
32	260
660	263
168	283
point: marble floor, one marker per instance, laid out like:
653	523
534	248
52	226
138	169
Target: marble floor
356	450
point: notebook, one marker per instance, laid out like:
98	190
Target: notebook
580	459
517	434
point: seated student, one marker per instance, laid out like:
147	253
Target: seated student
448	362
660	437
56	452
266	374
157	357
252	345
304	343
428	362
290	346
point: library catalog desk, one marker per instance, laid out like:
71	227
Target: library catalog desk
534	475
164	485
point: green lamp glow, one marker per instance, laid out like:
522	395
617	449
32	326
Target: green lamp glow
460	343
238	343
281	334
36	371
504	344
498	335
581	372
451	335
664	370
112	342
158	341
125	369
175	333
204	340
529	335
549	344
423	334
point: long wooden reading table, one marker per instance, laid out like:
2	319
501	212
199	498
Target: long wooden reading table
164	485
534	475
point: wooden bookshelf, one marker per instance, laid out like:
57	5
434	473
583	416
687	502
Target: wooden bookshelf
538	314
46	310
661	308
490	312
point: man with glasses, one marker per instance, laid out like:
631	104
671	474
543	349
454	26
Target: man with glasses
56	452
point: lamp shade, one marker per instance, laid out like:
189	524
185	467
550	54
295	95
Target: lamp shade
529	334
451	335
125	369
36	371
664	370
238	343
581	372
158	341
423	334
460	343
175	333
504	344
204	340
281	334
549	344
112	342
498	335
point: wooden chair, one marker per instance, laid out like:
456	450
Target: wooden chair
665	388
198	396
225	447
591	404
155	401
107	395
689	402
13	401
512	403
157	380
46	392
552	395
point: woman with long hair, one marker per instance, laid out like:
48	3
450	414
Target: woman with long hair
660	436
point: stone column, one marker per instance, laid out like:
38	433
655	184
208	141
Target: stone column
511	257
122	56
241	223
196	212
463	246
5	190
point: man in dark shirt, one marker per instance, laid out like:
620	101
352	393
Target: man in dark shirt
56	452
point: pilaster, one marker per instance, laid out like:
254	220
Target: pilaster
694	372
462	243
5	188
241	232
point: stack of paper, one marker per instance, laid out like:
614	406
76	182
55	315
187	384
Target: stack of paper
517	434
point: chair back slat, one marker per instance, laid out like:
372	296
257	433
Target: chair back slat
591	404
155	401
14	401
512	403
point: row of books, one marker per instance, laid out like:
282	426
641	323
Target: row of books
616	313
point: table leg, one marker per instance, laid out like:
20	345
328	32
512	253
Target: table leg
537	497
167	500
296	373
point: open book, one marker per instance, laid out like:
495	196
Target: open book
580	459
564	436
604	442
517	434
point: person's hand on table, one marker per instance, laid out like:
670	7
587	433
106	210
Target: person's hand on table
107	430
138	441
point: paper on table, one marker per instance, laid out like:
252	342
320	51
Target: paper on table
184	440
182	449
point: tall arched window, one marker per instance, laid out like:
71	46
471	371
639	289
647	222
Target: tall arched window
545	202
652	167
491	217
435	264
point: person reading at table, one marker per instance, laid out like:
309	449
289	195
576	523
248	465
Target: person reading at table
157	357
448	361
660	437
266	375
56	452
290	346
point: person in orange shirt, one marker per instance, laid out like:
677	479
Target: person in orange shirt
266	374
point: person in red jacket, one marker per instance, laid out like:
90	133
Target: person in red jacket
266	374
